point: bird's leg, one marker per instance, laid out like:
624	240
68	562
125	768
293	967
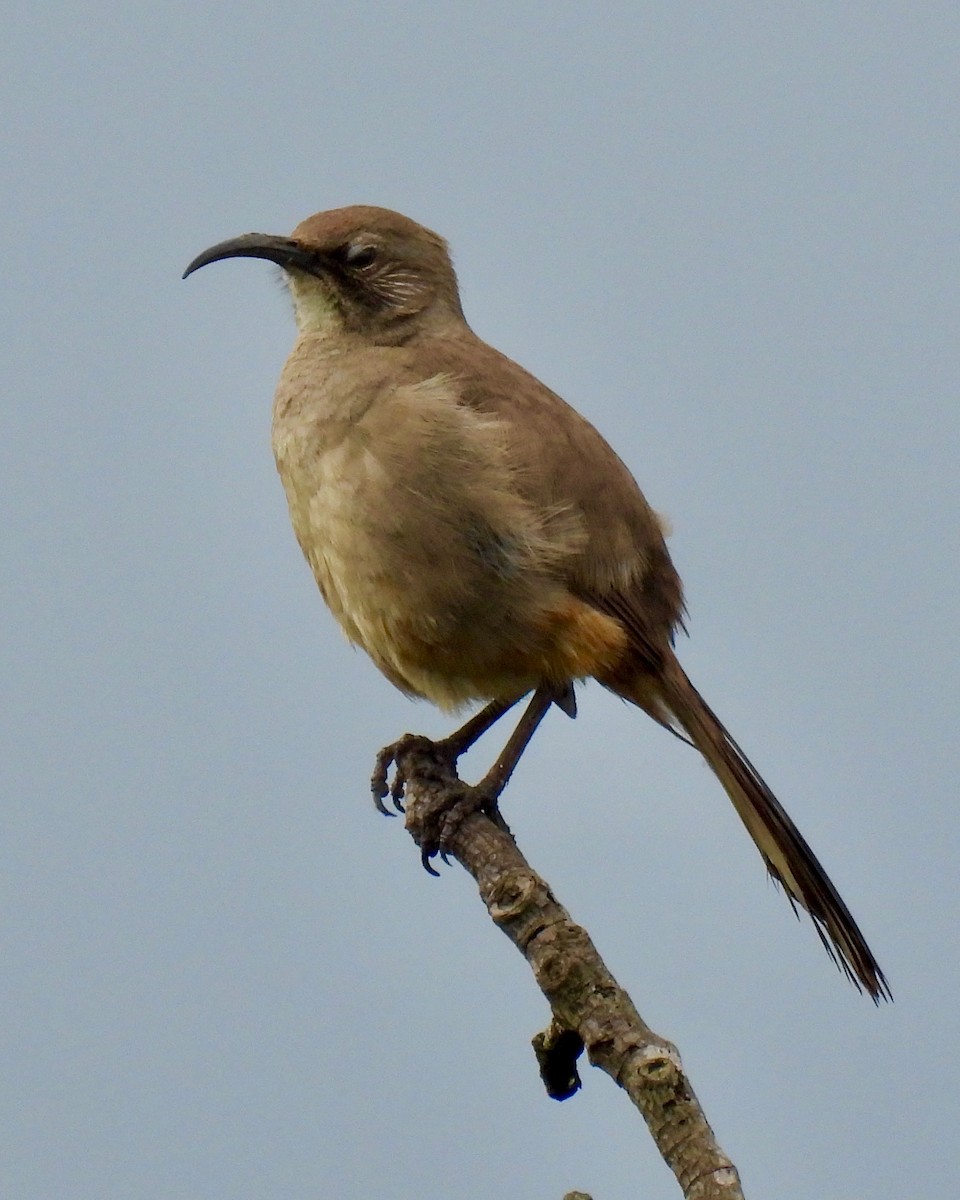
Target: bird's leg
497	778
439	825
449	749
460	741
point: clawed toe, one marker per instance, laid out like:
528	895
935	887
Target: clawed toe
442	816
380	783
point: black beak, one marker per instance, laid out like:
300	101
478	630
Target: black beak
285	252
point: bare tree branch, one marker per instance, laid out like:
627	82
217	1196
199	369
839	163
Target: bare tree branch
589	1006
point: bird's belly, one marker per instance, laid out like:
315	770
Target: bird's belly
403	582
455	646
429	645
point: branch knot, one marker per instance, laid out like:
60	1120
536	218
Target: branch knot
512	893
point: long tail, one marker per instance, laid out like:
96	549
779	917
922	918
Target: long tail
789	859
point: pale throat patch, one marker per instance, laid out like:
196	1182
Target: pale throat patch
313	304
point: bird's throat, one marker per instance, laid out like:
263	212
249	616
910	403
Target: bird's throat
314	306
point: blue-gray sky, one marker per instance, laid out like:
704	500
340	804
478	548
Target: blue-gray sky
728	234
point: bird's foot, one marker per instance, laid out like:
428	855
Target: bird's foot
444	800
444	753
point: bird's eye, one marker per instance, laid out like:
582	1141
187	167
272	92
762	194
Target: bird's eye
359	255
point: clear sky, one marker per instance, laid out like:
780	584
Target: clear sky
729	235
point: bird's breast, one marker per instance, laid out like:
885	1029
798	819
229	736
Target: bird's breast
334	484
410	515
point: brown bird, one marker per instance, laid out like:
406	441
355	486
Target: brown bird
476	535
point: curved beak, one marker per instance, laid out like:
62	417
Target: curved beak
285	252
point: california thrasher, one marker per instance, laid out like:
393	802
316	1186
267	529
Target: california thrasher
476	535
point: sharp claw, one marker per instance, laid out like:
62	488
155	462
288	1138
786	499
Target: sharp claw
381	786
379	789
427	865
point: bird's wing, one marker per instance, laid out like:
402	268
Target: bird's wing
562	463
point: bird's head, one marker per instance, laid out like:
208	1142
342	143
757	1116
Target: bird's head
361	270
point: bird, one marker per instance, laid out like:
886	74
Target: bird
475	534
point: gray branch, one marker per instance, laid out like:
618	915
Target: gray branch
586	1001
